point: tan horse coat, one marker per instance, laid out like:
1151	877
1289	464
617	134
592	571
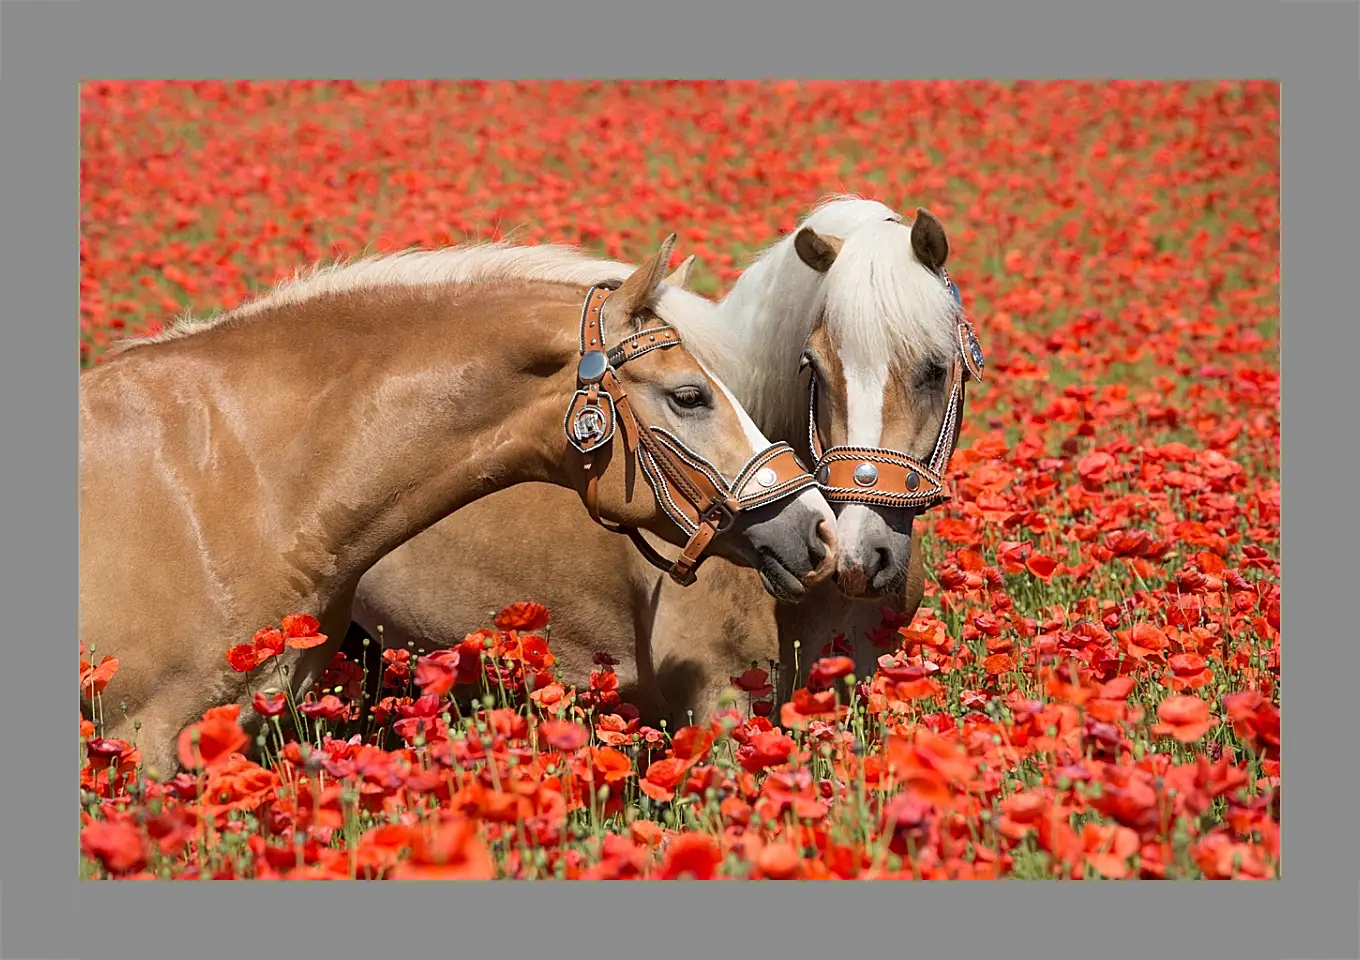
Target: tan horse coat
229	476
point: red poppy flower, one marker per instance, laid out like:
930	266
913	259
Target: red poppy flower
436	674
780	861
451	850
94	679
268	642
766	749
691	744
527	616
807	706
242	658
828	670
662	778
552	697
1108	848
301	631
119	847
564	735
1185	718
952	578
611	765
753	681
1189	671
329	707
691	856
218	737
1094	468
271	704
646	832
102	752
1041	566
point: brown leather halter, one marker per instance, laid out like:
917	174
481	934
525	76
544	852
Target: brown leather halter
878	477
690	490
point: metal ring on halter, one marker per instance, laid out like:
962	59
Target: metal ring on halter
690	490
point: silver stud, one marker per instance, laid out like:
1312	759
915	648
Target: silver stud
913	481
866	474
766	477
823	475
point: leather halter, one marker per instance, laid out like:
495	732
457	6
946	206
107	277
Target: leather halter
689	489
877	477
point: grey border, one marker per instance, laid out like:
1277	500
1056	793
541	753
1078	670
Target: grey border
48	47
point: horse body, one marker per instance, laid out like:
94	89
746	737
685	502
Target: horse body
675	650
228	477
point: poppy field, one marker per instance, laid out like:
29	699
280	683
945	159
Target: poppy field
1091	687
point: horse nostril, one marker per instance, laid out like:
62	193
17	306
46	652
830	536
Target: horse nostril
824	539
822	549
876	562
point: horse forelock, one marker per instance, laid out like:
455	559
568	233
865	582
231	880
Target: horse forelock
880	304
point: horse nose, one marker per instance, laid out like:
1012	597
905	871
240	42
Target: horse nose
868	568
822	549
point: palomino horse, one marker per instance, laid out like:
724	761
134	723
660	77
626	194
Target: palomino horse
861	303
230	476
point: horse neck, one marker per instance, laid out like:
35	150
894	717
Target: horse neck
774	305
382	414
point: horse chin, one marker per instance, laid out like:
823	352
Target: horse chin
778	581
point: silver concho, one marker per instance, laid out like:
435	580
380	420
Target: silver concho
823	475
913	481
866	474
766	477
588	427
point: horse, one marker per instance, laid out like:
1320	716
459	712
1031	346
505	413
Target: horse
245	467
848	329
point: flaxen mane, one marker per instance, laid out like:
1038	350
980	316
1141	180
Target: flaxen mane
473	263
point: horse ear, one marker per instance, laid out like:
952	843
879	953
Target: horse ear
928	241
680	275
817	251
640	289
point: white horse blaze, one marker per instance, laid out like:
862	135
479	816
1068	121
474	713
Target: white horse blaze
864	387
811	497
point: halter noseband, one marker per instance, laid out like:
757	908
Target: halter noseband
877	477
690	490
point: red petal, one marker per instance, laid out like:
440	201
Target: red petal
300	625
307	642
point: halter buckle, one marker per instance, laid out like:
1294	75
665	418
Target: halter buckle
720	516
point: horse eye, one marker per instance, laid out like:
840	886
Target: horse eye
688	397
933	373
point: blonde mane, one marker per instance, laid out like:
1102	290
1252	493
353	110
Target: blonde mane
472	263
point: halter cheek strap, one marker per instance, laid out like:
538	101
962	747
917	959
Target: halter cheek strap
690	490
